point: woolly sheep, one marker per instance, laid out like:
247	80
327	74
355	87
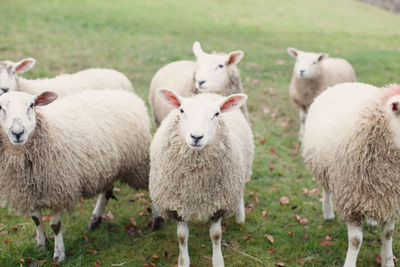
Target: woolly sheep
352	145
200	158
63	84
211	73
312	74
77	147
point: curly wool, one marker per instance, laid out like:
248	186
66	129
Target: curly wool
331	71
179	76
80	146
66	84
197	184
362	169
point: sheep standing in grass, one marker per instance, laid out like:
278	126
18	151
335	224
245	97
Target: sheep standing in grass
352	146
200	157
211	73
64	84
52	156
312	74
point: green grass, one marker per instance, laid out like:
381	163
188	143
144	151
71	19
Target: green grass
137	38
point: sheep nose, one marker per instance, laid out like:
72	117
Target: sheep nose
201	83
302	72
196	138
4	89
18	134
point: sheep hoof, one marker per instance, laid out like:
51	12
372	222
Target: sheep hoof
94	222
157	223
329	218
58	259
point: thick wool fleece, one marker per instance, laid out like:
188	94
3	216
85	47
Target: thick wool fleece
331	71
196	184
358	160
66	84
80	146
179	77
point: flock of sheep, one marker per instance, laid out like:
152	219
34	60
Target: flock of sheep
196	165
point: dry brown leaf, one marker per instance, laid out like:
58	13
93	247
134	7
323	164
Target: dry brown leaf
270	251
271	167
155	256
284	200
116	189
378	259
4	232
280	264
108	216
262	140
328	237
138	195
86	238
46	217
270	238
264	213
133	221
296	145
272	150
301	262
303	221
325	243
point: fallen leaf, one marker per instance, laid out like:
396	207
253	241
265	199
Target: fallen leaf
86	238
270	238
271	167
272	150
4	232
256	199
284	200
301	262
266	110
319	227
290	233
203	246
296	145
46	217
328	237
116	189
378	259
305	236
155	256
325	243
270	251
108	216
264	213
21	260
15	228
303	221
93	251
143	213
262	140
280	264
138	195
96	264
297	217
133	221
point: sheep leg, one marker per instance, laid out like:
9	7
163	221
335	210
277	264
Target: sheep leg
98	211
41	237
355	239
183	236
240	214
216	234
59	249
371	222
386	252
327	207
157	220
302	117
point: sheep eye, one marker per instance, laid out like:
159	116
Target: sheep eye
315	62
31	105
181	110
216	114
220	66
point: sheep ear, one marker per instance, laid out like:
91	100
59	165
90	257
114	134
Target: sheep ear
322	56
394	106
232	102
235	57
293	52
197	51
24	65
45	98
169	97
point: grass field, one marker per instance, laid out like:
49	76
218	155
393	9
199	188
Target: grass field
137	38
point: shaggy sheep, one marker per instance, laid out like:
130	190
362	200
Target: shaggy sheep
211	73
76	147
352	146
200	158
312	74
63	84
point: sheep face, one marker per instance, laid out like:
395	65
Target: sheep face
17	114
198	117
9	71
212	69
306	66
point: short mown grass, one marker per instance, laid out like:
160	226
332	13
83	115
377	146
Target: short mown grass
137	38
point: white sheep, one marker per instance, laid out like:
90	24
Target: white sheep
77	147
200	158
64	84
352	146
211	73
312	74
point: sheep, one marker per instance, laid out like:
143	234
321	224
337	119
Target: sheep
211	73
200	158
352	146
64	84
312	74
52	156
